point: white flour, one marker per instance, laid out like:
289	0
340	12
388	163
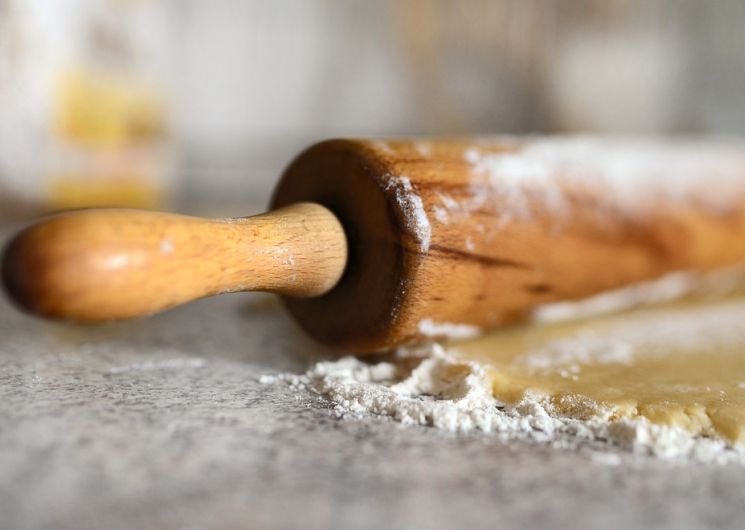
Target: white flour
634	175
429	328
672	286
456	396
431	387
413	209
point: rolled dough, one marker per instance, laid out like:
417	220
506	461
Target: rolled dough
679	364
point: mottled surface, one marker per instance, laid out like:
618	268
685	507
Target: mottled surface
161	423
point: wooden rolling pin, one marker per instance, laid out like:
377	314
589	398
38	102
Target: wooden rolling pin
374	244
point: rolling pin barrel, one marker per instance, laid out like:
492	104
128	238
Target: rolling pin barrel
450	237
108	264
376	244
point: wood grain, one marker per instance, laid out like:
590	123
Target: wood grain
376	244
98	265
480	267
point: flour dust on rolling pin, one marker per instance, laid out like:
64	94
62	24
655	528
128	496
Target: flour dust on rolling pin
494	227
540	177
623	180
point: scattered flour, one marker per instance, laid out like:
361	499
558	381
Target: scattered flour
430	328
454	395
631	176
672	286
413	209
424	149
441	214
167	246
383	147
430	386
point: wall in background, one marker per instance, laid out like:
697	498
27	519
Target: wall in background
246	83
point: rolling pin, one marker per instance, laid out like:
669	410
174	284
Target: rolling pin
373	244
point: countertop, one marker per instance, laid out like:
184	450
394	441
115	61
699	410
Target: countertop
162	423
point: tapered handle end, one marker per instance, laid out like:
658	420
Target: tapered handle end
99	265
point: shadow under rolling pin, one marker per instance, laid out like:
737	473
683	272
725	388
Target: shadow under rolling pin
374	244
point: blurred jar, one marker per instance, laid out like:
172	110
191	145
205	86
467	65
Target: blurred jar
86	116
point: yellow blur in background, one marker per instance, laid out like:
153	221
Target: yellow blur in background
84	104
110	132
137	102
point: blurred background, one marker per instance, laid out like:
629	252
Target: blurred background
197	105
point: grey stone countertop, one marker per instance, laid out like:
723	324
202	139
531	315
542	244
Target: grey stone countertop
161	423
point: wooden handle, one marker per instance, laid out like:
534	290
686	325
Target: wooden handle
98	265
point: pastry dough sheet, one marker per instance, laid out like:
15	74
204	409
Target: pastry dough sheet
678	365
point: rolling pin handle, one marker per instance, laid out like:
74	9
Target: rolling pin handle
107	264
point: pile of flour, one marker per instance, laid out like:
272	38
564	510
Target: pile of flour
431	386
